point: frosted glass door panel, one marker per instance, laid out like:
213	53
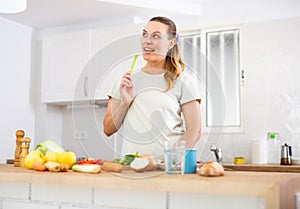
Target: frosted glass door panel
223	80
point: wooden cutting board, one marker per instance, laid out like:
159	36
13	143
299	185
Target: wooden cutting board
262	168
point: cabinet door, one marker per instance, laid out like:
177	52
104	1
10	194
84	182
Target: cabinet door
113	50
208	201
65	66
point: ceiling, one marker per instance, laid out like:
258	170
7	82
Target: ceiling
53	13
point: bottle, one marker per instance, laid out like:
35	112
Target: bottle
273	148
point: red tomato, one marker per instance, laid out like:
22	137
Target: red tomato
99	162
90	161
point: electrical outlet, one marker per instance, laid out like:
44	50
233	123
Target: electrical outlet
81	135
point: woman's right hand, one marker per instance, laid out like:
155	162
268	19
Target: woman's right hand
127	89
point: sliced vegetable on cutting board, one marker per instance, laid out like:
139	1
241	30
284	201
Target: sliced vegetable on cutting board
87	168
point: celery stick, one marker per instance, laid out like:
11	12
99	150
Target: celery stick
133	63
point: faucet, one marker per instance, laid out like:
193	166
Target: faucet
217	152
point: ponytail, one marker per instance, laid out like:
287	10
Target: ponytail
174	66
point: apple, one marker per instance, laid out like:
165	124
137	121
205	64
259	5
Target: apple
33	157
67	158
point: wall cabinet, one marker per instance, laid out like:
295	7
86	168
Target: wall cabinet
81	65
65	69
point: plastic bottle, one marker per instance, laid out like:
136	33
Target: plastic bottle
273	148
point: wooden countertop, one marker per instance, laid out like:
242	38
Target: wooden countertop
278	189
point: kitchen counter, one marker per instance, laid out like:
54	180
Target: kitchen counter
276	190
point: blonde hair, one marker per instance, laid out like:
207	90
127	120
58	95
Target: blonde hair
174	65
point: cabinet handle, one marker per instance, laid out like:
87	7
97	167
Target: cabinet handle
243	74
85	86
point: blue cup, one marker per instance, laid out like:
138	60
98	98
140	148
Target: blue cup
190	165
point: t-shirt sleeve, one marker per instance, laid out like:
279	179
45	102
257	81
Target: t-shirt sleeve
189	89
114	91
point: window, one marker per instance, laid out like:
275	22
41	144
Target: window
214	57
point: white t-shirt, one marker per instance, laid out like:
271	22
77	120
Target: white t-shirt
154	116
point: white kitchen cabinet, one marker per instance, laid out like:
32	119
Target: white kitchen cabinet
179	200
65	66
81	65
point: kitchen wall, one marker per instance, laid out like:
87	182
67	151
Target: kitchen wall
83	132
17	96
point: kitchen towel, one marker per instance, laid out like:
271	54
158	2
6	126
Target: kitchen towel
259	151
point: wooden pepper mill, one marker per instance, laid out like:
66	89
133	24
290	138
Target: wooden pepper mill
24	150
19	134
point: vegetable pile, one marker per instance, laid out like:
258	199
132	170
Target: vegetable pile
49	156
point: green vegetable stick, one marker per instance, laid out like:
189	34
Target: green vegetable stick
133	63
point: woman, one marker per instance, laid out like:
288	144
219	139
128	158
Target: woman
146	106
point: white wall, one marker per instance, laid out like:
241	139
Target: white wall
16	106
87	121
